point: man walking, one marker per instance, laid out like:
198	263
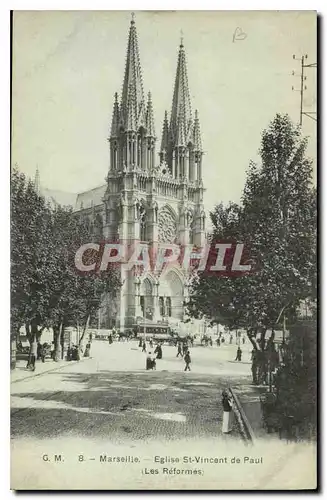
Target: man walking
187	359
179	350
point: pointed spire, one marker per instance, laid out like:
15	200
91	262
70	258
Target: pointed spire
132	81
149	118
165	134
181	113
37	181
130	122
180	135
197	133
115	118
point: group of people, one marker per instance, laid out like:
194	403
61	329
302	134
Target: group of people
221	339
152	356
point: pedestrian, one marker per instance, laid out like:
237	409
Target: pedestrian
38	351
151	343
87	350
179	350
144	346
42	352
69	353
185	348
231	339
150	362
222	340
218	342
158	351
210	341
227	412
254	367
140	342
32	358
238	354
243	339
187	359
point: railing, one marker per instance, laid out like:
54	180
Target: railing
242	420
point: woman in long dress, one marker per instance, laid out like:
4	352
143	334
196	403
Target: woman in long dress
227	412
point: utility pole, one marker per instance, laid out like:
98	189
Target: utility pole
303	87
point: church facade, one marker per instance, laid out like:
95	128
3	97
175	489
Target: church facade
155	198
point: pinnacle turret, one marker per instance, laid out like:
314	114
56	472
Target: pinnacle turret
149	118
197	133
115	118
165	134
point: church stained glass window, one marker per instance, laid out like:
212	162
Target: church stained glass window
167	226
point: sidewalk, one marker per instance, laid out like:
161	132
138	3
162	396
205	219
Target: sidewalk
21	373
249	398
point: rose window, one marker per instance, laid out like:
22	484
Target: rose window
167	227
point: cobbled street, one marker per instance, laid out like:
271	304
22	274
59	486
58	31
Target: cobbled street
110	405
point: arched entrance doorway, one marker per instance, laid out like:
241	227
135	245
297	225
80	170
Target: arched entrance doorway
171	296
147	299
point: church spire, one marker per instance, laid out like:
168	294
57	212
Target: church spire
130	122
181	113
132	84
149	118
180	129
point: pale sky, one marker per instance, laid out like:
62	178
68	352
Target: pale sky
68	65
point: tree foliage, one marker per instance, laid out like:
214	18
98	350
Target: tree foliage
276	221
46	288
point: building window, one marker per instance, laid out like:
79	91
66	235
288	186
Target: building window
161	306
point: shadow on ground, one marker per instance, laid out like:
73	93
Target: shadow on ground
123	405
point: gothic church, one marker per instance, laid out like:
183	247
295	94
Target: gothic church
148	198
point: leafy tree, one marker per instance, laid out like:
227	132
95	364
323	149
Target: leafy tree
276	221
46	289
76	297
31	258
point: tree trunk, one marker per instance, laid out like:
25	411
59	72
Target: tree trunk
13	346
57	347
84	331
14	337
62	340
33	338
251	333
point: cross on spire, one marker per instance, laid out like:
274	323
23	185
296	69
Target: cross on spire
182	38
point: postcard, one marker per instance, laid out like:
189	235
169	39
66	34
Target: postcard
163	250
